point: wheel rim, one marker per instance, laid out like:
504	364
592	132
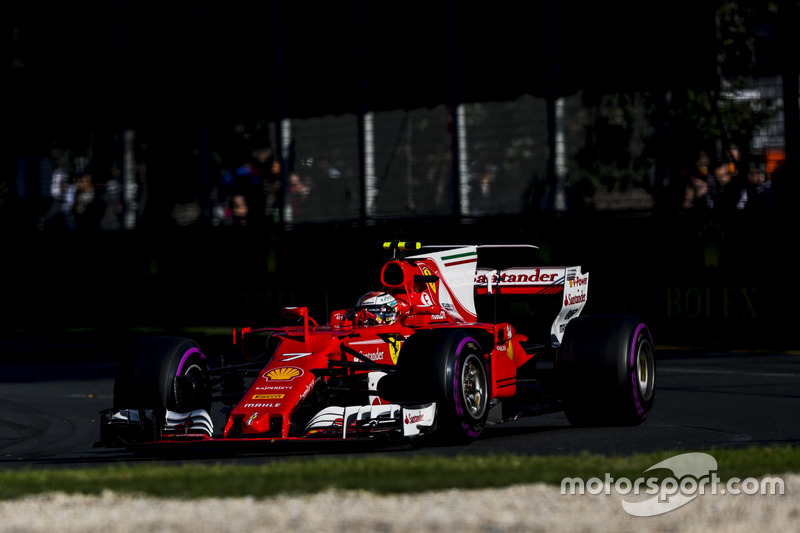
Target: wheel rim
189	388
645	370
473	386
194	371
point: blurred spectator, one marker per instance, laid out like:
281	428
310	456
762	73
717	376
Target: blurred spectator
723	190
299	190
696	194
256	182
111	200
57	213
734	158
86	207
84	194
481	197
757	195
239	210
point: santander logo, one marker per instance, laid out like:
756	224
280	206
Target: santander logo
413	419
572	300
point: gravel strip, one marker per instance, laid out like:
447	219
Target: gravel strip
528	508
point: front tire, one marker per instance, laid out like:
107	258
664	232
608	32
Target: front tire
163	373
608	370
466	392
447	367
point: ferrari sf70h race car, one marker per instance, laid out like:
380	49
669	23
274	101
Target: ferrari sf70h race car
410	361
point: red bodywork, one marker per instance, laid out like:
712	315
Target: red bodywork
312	381
289	378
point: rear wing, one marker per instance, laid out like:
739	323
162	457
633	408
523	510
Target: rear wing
539	280
462	280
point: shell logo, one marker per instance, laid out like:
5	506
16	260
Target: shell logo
284	373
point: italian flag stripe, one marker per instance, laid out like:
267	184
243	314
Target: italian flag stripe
460	259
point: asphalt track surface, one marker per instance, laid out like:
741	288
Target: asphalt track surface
51	394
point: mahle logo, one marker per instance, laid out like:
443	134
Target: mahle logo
693	474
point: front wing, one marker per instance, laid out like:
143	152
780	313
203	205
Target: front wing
126	427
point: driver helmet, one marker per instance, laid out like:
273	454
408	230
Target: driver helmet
380	308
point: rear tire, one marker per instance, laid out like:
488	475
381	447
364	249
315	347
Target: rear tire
607	369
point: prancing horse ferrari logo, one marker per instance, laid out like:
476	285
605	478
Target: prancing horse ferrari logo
395	342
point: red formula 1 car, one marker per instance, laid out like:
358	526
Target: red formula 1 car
409	361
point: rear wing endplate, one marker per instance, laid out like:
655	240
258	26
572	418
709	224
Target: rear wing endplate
569	281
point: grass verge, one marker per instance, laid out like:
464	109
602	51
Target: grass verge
385	474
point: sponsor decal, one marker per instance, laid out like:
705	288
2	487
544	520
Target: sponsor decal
519	277
413	419
267	397
576	290
284	373
427	272
579	282
273	387
373	356
306	392
576	299
395	343
508	348
703	302
262	405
